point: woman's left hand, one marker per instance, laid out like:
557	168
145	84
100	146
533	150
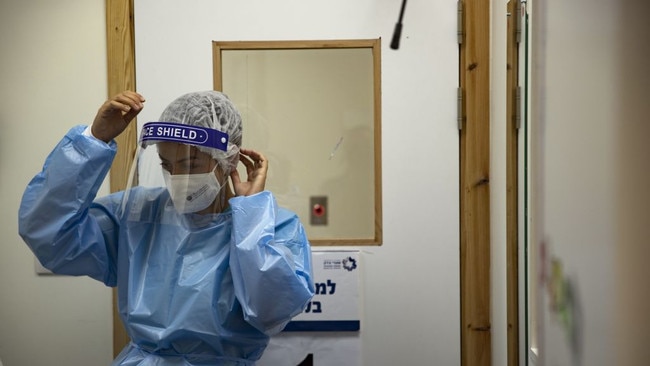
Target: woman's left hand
256	169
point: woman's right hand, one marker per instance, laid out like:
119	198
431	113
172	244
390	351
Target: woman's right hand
116	114
257	167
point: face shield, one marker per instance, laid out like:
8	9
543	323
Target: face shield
183	167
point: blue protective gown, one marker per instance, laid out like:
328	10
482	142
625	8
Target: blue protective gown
193	289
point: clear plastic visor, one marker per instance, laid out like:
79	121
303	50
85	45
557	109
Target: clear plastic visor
179	170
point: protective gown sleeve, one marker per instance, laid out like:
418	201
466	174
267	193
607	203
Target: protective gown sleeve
270	259
57	218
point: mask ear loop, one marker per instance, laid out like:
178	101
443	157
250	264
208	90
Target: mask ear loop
229	164
226	188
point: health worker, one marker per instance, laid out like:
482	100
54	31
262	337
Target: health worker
207	266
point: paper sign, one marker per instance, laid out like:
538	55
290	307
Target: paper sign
335	305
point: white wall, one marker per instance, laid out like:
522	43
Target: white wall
53	72
411	289
591	109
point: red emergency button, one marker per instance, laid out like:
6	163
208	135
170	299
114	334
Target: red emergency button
319	210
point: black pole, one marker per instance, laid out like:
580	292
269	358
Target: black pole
394	44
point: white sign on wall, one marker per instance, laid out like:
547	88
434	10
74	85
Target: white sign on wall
327	332
335	305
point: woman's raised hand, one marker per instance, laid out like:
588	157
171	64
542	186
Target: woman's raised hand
115	115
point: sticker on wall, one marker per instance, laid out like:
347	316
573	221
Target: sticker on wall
563	300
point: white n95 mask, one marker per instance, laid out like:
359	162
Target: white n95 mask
192	192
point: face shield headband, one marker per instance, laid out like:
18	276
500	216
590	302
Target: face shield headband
153	132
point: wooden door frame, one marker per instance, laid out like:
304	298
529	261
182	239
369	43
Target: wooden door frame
475	251
513	117
120	47
474	164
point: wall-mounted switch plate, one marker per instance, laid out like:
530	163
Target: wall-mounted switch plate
318	210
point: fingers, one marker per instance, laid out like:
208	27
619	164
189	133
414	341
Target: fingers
130	98
253	159
129	102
